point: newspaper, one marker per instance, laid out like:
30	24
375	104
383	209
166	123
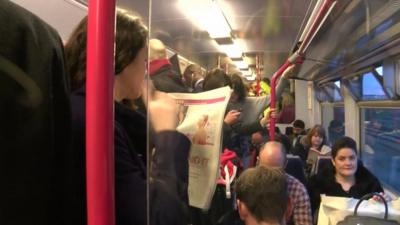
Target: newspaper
201	119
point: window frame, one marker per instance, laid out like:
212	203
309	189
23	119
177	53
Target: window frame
387	104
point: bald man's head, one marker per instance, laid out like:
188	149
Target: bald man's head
272	154
157	50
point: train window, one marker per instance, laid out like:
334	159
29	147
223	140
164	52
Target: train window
379	70
329	92
372	88
336	92
380	137
368	86
322	95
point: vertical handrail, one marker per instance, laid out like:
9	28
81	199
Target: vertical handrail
258	75
99	113
275	77
322	14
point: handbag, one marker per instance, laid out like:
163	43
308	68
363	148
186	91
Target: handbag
368	220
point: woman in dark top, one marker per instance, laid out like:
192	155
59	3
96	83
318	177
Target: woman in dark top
311	146
344	177
169	172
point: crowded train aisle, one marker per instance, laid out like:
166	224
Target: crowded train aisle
221	112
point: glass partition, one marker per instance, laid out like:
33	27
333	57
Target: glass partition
219	53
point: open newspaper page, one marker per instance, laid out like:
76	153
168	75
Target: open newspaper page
201	119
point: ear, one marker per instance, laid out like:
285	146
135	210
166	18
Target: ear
243	211
333	162
289	209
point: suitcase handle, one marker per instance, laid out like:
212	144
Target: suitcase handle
368	196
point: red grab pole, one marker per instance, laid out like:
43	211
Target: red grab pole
275	77
99	113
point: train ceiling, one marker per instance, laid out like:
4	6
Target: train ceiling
265	27
355	31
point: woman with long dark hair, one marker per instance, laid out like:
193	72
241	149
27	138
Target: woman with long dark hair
168	189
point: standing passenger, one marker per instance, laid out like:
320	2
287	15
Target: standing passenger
168	189
193	78
164	77
35	122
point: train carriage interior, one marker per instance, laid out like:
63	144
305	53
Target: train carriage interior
346	74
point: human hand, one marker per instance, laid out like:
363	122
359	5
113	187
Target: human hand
271	114
162	109
232	117
385	196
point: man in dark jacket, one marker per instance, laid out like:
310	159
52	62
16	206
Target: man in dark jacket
262	198
194	78
35	155
164	77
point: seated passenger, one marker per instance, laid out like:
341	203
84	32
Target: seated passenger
298	130
344	177
311	146
273	154
262	198
169	172
335	130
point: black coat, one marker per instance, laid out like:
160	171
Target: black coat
169	173
325	183
166	79
35	154
168	190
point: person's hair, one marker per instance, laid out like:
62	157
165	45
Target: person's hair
157	49
238	86
335	124
343	142
299	124
130	38
267	80
278	142
320	131
264	192
216	78
287	99
192	68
